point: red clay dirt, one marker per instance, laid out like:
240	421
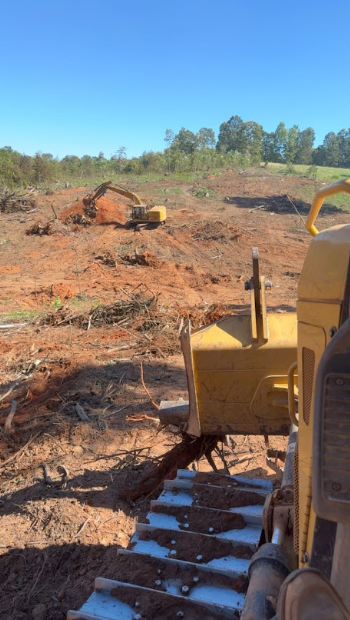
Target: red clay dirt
58	531
108	211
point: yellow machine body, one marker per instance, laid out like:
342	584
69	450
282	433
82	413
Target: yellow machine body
240	385
155	215
141	214
321	289
245	373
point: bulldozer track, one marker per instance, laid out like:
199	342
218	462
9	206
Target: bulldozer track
190	558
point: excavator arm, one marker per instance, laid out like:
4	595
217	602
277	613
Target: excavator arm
90	199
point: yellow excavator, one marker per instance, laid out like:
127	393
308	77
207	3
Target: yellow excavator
141	215
217	546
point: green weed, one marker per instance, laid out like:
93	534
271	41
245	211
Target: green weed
57	302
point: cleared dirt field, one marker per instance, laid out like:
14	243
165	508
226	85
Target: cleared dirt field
90	304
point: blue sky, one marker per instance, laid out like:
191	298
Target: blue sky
84	76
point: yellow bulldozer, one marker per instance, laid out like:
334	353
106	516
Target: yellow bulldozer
142	216
217	546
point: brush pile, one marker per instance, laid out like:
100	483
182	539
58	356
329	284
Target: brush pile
41	229
215	230
11	202
148	326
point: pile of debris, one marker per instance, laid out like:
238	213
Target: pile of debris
79	219
120	312
146	258
150	327
215	230
108	258
11	202
41	229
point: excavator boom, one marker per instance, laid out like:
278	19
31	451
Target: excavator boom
113	187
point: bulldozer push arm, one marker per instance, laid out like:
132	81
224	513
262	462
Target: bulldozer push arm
217	546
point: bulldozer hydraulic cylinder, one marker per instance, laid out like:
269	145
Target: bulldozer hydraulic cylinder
267	571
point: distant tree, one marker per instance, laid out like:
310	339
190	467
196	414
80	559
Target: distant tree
42	168
86	166
185	141
253	133
121	152
291	146
150	160
169	137
344	147
26	168
306	139
280	146
205	138
118	160
70	166
232	136
268	146
328	153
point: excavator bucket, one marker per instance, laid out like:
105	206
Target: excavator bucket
237	369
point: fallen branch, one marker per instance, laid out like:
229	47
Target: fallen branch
15	456
10	416
10	390
82	527
146	389
257	208
9	325
140	418
179	457
294	207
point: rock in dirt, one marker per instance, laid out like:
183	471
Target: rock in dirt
39	612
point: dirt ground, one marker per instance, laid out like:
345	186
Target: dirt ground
63	515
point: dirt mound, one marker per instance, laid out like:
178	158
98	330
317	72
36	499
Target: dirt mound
60	291
108	211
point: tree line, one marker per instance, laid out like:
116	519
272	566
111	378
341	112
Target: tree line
239	143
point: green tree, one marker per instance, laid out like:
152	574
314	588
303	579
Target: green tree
268	146
291	147
328	153
232	136
185	141
306	139
253	141
205	138
43	170
280	142
344	147
169	137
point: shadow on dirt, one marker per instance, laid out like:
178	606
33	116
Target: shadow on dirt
92	488
278	204
30	576
106	392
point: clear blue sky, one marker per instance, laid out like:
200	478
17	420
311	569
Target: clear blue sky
79	77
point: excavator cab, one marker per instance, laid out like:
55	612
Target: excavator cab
139	212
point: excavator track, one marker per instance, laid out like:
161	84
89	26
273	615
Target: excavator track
190	558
